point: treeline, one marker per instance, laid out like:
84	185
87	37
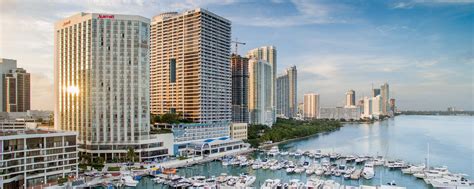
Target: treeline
471	113
170	118
285	129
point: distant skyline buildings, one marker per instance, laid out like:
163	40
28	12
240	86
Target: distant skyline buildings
311	106
350	98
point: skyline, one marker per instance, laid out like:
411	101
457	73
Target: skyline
339	45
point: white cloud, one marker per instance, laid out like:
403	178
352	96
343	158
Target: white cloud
408	4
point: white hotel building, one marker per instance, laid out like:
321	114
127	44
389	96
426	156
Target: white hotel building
34	157
102	85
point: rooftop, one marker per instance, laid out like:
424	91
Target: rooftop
32	132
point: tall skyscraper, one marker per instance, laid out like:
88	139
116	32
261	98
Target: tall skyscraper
260	90
282	95
350	98
6	65
16	91
385	96
286	93
268	54
240	88
190	68
311	106
101	84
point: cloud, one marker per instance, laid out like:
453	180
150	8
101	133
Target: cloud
307	13
412	3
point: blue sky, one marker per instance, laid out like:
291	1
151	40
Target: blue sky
424	49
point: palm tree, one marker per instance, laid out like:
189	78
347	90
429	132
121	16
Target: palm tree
131	154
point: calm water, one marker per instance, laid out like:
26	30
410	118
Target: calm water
450	140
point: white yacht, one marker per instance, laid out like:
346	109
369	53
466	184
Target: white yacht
270	184
414	169
450	181
274	151
127	180
368	171
245	181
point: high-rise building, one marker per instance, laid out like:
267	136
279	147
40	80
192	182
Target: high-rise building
375	92
16	90
101	84
190	68
350	98
286	93
260	90
268	54
311	106
392	105
15	86
385	96
282	96
240	87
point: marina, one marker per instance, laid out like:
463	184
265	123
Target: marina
300	163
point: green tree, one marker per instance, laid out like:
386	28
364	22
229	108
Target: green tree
131	155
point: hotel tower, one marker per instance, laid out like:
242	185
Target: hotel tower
102	84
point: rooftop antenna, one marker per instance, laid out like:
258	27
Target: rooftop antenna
237	43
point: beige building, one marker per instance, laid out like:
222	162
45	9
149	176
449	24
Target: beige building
350	98
190	68
101	85
311	106
238	131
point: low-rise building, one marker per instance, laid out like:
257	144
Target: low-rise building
238	131
339	113
212	147
34	157
186	133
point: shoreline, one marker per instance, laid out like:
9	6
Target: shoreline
266	146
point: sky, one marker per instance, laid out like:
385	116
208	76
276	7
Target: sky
424	49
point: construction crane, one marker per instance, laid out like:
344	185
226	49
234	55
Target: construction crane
237	43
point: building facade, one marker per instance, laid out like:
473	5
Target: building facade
350	98
16	90
269	55
311	106
375	92
240	88
260	90
238	131
282	96
286	90
102	84
190	68
340	113
385	95
32	158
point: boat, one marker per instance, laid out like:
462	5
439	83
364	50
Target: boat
290	169
257	165
274	151
412	169
331	184
299	169
295	184
245	180
270	184
319	171
368	172
356	174
379	160
450	181
284	153
127	180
